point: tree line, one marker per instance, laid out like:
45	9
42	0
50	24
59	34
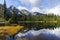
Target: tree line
44	20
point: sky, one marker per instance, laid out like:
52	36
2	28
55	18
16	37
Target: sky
42	6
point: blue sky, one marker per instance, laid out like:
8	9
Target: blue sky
34	5
38	3
1	1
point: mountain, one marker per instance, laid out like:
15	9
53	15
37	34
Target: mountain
12	8
17	11
25	12
37	13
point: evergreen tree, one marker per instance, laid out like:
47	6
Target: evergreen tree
5	8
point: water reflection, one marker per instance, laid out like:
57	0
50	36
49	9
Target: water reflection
42	34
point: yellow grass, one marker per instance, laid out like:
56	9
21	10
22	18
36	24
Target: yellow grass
11	30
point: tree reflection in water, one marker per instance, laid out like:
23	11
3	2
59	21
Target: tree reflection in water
42	34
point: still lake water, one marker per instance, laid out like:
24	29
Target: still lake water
42	34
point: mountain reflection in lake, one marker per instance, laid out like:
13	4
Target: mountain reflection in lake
42	34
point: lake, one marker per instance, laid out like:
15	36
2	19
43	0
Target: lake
42	34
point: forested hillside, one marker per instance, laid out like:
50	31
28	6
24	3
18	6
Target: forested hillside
29	19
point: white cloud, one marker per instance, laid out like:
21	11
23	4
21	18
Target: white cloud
21	8
30	2
35	9
33	2
41	10
55	10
